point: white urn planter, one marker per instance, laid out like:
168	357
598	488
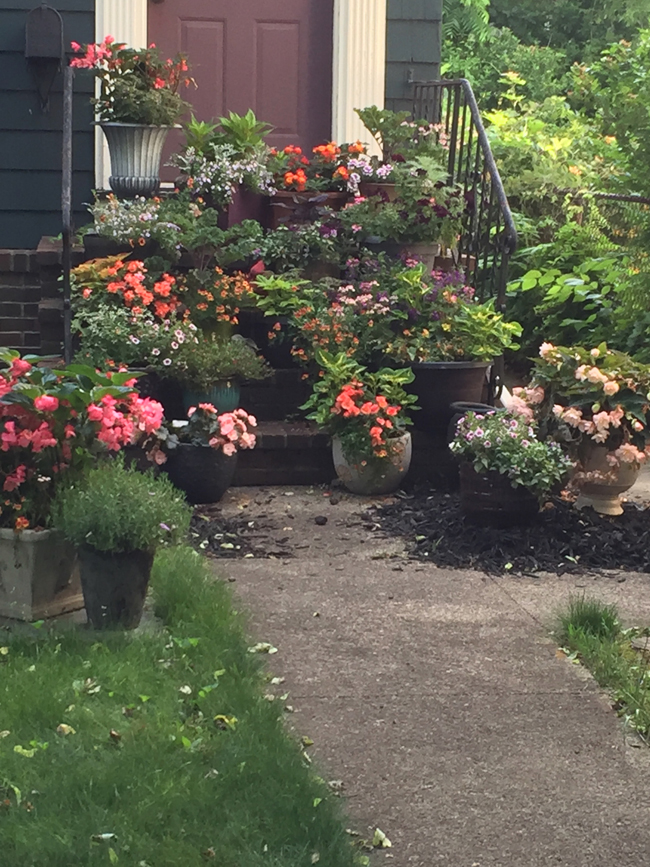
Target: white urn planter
603	490
39	575
376	477
136	152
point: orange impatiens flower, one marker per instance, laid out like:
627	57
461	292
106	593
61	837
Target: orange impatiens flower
328	152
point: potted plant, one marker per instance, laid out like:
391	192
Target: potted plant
116	517
365	414
307	186
595	402
52	425
202	453
139	102
505	470
213	370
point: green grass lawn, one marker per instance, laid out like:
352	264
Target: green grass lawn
167	753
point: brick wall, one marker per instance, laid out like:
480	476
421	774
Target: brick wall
20	294
31	301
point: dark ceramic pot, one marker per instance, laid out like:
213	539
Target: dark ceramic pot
223	395
255	326
439	384
203	473
114	586
489	499
287	207
98	247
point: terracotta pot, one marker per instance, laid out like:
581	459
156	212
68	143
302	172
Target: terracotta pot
603	493
439	384
287	206
382	476
114	586
39	575
489	499
203	473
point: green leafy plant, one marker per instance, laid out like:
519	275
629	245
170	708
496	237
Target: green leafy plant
504	443
200	366
117	508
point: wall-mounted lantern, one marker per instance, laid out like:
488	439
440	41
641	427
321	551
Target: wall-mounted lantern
44	48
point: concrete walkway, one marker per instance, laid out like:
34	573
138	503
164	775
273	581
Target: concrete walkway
438	698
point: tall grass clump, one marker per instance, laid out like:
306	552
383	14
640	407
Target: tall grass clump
586	617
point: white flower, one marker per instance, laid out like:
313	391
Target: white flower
167	362
155	351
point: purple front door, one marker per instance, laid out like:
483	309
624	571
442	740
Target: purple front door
274	56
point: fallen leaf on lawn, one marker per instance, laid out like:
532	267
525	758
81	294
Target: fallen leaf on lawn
317	801
380	840
269	696
186	690
4	734
64	729
315	858
335	785
307	742
225	722
209	854
28	754
277	680
262	647
212	774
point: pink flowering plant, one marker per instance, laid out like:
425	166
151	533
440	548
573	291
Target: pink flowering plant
507	443
228	431
53	423
597	395
136	85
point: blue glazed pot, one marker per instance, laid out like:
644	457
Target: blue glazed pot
223	395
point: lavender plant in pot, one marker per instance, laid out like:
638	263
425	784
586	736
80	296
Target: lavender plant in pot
117	517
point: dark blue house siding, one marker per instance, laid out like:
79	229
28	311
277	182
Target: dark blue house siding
30	140
413	48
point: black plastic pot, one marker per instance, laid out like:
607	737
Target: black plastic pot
203	473
114	586
98	247
490	500
439	384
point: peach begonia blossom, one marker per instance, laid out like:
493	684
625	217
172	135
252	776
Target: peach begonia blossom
597	376
626	454
611	387
545	349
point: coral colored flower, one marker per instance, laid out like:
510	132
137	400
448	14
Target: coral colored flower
19	367
46	403
21	523
15	479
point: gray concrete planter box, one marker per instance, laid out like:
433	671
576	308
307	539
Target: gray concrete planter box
39	575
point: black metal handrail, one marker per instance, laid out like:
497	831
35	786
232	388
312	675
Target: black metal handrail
489	237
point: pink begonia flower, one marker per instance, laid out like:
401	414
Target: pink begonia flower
596	376
581	372
46	403
19	367
229	449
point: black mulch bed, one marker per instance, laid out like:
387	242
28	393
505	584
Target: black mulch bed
562	540
217	536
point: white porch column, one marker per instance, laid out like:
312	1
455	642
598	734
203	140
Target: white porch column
359	67
126	21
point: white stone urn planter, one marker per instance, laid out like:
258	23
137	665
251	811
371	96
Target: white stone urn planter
39	575
603	491
381	476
